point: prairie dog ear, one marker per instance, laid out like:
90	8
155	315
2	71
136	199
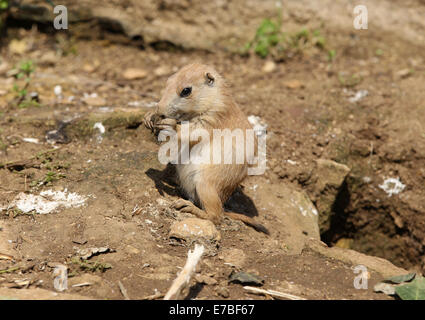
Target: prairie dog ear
209	79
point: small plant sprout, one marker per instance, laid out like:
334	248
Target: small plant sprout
271	40
25	71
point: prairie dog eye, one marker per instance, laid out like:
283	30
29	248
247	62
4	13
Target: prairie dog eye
186	92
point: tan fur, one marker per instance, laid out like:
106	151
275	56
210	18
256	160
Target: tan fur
209	106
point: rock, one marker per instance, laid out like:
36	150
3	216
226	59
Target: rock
18	47
79	240
344	243
361	147
59	135
404	73
34	96
293	84
330	173
57	90
95	101
37	294
132	250
87	253
99	286
384	288
325	184
134	73
48	59
234	257
222	292
6	247
162	71
200	278
269	66
89	68
246	278
4	67
286	211
359	95
380	265
193	229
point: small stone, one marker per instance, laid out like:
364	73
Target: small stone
48	59
200	278
87	253
161	202
134	73
194	228
57	90
88	68
269	66
3	67
293	84
79	240
384	288
58	136
359	95
95	101
344	243
234	257
132	250
404	73
162	71
222	292
34	96
18	46
246	278
330	173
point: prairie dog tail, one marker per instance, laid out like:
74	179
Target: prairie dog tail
248	220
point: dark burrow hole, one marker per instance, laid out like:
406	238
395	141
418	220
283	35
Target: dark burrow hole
367	226
133	126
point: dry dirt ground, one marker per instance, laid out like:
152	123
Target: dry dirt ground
307	104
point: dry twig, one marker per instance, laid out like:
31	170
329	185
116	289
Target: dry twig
185	275
123	290
273	293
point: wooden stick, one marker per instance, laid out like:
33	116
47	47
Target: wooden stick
185	275
153	296
273	293
4	256
123	290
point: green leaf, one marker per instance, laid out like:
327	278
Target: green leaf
331	55
267	26
414	290
302	34
4	4
320	42
316	33
262	49
400	279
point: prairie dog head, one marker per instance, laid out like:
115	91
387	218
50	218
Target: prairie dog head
192	91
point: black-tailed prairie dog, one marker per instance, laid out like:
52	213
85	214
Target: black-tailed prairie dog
198	97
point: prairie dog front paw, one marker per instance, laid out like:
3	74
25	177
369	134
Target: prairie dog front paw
149	120
165	127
